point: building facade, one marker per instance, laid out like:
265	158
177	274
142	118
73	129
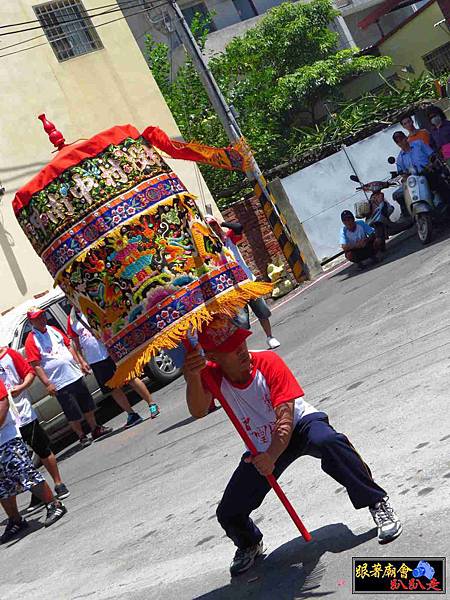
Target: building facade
83	69
231	18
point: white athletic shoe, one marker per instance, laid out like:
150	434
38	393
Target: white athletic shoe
388	523
273	343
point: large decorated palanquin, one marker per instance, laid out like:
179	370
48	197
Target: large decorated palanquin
125	240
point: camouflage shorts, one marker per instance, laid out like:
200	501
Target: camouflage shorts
17	472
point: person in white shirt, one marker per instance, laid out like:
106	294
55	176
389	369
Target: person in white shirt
17	473
103	367
17	375
266	398
230	239
61	369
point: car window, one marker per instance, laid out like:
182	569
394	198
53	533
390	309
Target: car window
65	305
26	328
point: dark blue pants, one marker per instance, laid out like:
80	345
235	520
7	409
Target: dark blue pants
313	436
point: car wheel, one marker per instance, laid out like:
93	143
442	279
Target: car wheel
162	369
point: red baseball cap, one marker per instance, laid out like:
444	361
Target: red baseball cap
34	312
222	335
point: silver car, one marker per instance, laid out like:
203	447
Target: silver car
14	328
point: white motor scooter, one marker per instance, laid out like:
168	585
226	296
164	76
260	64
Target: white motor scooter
424	206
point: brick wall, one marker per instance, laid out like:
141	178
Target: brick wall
259	246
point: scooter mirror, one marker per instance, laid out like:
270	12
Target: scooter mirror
354	178
391	160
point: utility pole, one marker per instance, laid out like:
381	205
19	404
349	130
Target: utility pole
234	134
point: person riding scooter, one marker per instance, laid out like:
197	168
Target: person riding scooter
416	158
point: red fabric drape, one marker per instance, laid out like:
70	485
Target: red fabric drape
231	158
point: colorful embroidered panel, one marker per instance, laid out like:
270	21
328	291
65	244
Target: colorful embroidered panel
126	242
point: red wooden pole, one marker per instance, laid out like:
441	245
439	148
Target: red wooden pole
270	478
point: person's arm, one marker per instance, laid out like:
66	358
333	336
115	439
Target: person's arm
26	382
368	230
344	242
427	150
77	358
284	390
236	228
234	232
4	408
51	389
198	399
33	355
281	436
77	346
24	371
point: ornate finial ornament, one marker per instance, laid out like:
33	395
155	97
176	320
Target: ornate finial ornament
55	136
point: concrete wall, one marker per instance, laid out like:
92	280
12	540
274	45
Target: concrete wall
320	192
81	96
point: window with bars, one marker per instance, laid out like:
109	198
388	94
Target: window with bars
68	28
438	61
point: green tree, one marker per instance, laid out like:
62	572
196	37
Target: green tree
276	76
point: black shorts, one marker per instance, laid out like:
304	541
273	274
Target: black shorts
103	371
33	434
75	399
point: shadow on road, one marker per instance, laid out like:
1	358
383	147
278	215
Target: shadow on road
33	526
294	570
179	424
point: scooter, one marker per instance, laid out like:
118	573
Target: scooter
379	217
424	206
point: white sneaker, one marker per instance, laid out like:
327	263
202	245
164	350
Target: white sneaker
273	343
386	520
244	559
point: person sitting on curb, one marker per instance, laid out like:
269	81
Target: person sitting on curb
230	239
60	368
358	240
103	367
17	474
17	375
265	396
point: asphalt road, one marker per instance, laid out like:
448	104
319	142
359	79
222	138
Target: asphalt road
373	350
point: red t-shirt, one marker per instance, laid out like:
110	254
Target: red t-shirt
271	383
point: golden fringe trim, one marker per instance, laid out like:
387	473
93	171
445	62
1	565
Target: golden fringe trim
228	304
243	147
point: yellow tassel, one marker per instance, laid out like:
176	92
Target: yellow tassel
228	304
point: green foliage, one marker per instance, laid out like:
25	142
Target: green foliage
355	116
275	76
